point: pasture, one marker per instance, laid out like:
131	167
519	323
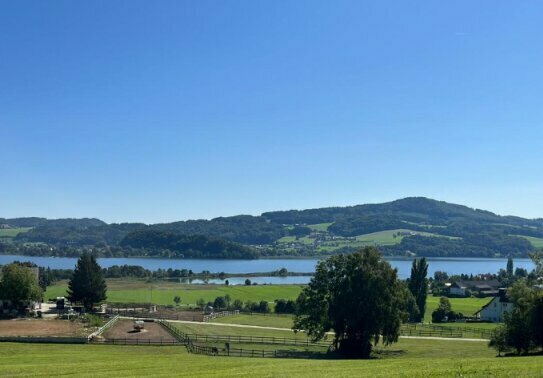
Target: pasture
467	306
162	292
536	242
276	321
12	232
408	358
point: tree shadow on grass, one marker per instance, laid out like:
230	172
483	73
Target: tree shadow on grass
307	354
387	353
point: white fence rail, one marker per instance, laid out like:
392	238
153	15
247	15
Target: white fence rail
220	314
104	328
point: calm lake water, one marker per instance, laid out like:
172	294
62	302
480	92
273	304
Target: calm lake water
449	265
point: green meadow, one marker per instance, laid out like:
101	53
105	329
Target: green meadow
277	321
12	232
161	292
467	306
536	242
408	358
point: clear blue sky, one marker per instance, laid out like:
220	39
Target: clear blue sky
168	110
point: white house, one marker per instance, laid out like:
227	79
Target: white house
494	310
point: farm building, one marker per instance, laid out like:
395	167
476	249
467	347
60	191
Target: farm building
485	288
494	310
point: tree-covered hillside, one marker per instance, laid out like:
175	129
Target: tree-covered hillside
410	226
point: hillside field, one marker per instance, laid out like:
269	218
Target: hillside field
12	232
408	358
536	242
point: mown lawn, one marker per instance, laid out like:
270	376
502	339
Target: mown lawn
139	291
408	358
467	306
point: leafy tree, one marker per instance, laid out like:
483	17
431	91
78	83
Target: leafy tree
87	284
247	282
264	307
537	258
509	268
535	320
201	303
522	329
418	285
19	284
237	305
219	303
518	335
357	296
442	311
177	300
498	340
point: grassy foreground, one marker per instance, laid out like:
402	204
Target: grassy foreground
408	358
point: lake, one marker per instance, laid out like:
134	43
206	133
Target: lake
450	265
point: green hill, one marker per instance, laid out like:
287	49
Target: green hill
408	226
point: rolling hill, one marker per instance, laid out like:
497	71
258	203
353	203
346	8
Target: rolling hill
409	226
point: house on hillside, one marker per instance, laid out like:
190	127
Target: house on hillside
494	310
486	288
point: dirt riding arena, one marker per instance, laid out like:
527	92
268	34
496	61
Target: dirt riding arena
40	327
123	330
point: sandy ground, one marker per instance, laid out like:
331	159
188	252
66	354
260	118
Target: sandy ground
40	327
124	329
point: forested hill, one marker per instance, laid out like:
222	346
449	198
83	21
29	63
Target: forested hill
410	226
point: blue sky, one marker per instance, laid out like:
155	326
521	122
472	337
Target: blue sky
167	110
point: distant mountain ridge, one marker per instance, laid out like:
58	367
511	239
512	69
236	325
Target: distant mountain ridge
435	228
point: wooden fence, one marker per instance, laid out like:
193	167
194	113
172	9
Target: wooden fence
256	340
240	352
44	339
219	314
412	329
182	315
123	341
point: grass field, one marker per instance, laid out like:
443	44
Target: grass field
408	358
139	291
278	321
12	232
536	242
467	306
376	238
319	226
220	330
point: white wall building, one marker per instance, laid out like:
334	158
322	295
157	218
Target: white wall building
494	310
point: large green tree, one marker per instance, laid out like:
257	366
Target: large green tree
418	285
521	330
87	284
359	297
19	284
